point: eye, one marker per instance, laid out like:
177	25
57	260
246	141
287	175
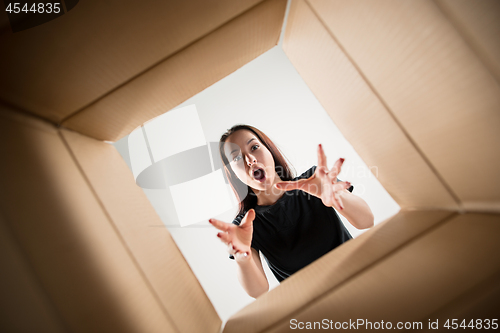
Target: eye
237	158
255	146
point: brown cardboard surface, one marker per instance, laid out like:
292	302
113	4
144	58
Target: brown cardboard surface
361	113
479	302
73	252
60	67
335	269
417	280
479	25
413	86
432	81
138	224
24	305
182	75
411	283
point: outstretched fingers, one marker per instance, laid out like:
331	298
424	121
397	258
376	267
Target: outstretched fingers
340	186
231	249
225	237
322	165
224	228
220	225
334	172
331	194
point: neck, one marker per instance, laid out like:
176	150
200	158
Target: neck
270	195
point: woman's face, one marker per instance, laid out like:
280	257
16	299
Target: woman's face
250	160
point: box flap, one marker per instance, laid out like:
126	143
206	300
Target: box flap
419	278
333	270
66	64
66	237
143	232
182	75
408	93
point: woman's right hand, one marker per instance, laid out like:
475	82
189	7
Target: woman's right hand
237	238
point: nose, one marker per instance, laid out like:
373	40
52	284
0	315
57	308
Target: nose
250	159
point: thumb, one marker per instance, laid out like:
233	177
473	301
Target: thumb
248	218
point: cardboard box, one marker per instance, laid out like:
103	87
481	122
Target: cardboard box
414	86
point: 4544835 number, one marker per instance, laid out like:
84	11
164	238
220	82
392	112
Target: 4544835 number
39	7
484	324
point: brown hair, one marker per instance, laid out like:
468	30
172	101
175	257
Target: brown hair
246	197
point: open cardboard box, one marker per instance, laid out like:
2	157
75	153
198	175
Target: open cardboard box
413	85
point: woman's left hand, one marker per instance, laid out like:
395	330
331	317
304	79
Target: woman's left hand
323	184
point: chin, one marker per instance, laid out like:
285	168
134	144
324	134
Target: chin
268	185
260	186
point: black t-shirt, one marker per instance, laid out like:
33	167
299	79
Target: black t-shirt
296	230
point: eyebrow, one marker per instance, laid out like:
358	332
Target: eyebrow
238	148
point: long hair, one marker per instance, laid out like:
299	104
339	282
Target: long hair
246	197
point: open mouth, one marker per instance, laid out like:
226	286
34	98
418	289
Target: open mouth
259	174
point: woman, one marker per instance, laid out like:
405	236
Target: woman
289	220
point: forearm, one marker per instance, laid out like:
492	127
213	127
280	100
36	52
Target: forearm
356	210
252	279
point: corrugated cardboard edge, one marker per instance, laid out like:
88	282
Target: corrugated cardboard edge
182	75
331	271
134	219
361	114
380	289
431	83
455	256
88	61
72	252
